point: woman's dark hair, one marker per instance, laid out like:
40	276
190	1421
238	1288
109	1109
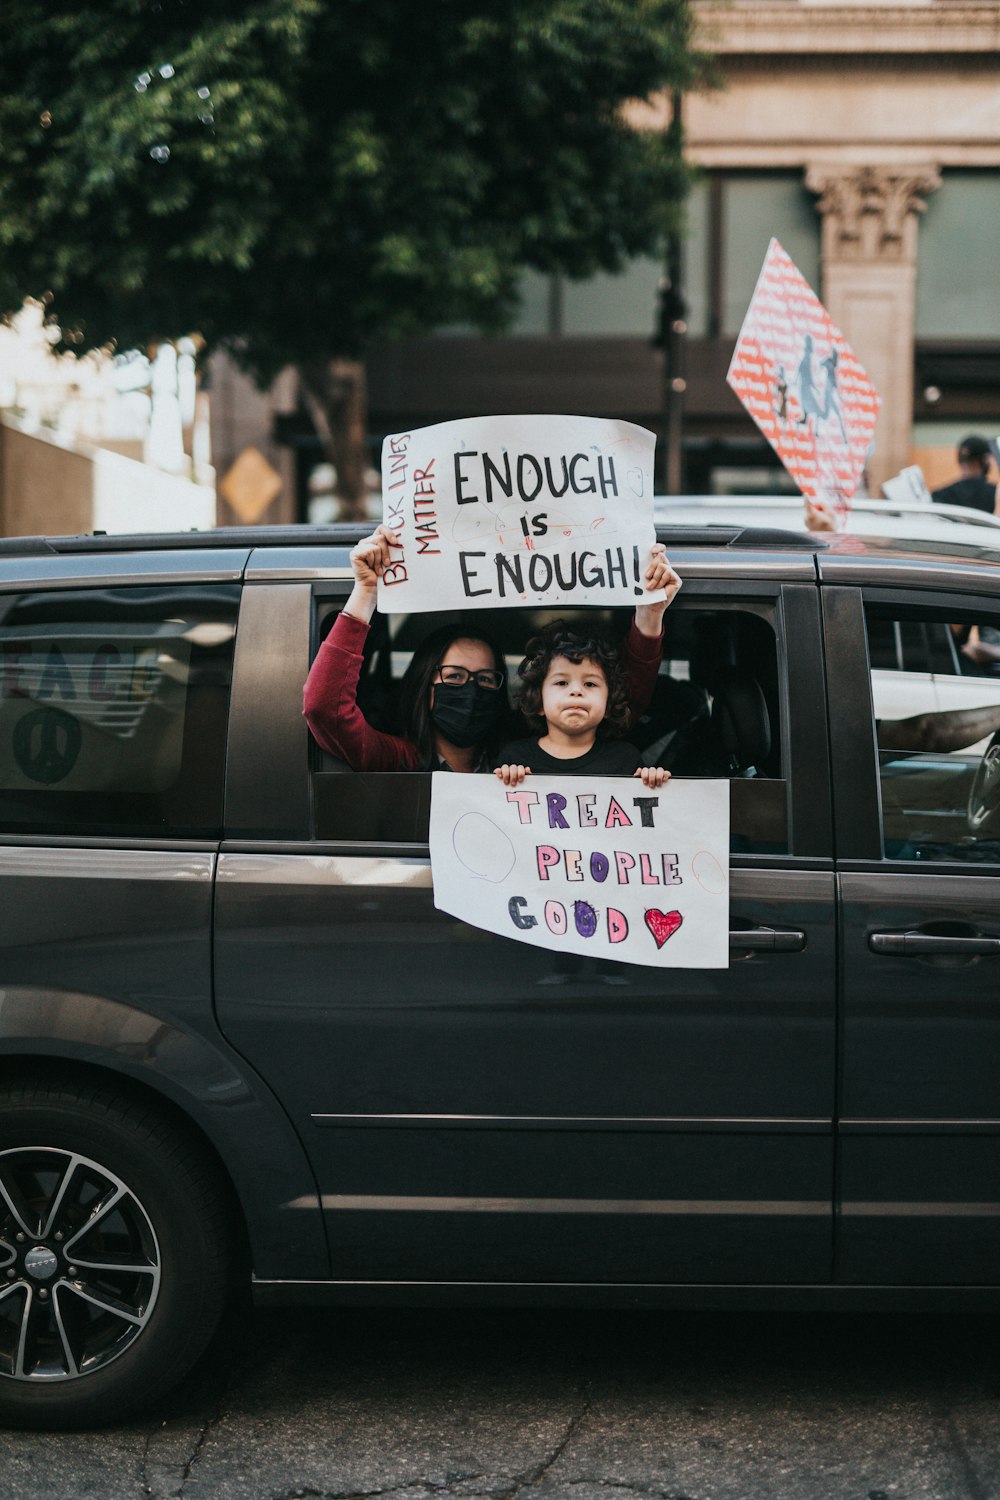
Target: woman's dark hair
413	713
558	639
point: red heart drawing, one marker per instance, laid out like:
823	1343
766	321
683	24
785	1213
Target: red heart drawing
662	924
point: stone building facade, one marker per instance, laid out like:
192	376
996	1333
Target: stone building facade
889	116
866	138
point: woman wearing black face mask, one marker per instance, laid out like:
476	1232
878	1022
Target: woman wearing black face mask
453	704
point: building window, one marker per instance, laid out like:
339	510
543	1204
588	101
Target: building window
618	305
958	291
754	207
729	220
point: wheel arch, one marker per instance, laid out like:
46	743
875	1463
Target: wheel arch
203	1088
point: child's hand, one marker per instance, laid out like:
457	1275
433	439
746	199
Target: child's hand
659	575
512	775
370	558
653	775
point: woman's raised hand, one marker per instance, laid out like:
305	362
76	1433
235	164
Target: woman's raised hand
659	575
370	557
369	560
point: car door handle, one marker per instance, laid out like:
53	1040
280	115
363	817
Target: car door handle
920	944
767	940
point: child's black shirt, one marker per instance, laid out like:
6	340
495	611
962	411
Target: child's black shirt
604	758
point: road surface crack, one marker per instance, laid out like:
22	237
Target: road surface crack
426	1486
537	1474
652	1491
195	1453
975	1489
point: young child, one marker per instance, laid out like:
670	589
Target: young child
575	693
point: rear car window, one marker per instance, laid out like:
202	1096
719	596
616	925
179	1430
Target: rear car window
113	709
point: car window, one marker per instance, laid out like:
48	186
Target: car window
935	680
113	709
716	711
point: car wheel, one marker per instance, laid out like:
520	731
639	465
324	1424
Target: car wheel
114	1254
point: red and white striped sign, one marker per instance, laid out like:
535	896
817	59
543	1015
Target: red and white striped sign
801	382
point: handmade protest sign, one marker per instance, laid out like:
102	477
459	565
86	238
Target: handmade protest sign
600	865
498	511
801	382
908	487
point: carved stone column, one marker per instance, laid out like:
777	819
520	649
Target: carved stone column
869	283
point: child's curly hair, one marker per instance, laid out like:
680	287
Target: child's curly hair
559	639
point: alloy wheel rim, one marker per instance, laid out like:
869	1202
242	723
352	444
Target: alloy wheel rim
79	1265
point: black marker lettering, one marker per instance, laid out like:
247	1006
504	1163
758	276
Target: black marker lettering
539	564
467	576
512	567
609	484
583	488
645	806
551	481
527	458
460	480
504	480
519	918
570	582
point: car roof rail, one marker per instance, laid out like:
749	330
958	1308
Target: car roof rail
776	536
336	535
341	534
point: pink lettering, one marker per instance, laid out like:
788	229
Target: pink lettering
617	926
525	802
617	817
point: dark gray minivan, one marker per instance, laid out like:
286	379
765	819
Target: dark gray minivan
239	1045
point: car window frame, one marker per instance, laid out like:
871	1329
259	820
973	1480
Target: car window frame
858	841
94	583
805	749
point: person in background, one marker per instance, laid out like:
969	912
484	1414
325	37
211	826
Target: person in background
452	703
974	488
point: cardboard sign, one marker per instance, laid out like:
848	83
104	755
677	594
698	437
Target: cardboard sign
908	487
600	866
799	379
499	511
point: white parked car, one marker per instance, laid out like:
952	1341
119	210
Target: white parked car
933	522
915	669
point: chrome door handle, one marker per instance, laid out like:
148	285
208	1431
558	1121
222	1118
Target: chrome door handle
767	940
920	944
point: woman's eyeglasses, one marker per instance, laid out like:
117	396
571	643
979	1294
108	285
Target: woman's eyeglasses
459	676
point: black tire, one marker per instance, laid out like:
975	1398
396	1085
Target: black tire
114	1254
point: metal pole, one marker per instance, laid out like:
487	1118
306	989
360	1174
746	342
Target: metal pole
673	332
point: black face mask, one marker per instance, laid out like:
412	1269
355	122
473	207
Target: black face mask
465	715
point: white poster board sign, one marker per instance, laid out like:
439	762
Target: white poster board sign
908	487
495	511
600	866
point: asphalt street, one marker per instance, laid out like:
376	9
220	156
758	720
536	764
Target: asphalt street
554	1406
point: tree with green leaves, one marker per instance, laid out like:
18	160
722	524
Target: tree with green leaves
292	178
